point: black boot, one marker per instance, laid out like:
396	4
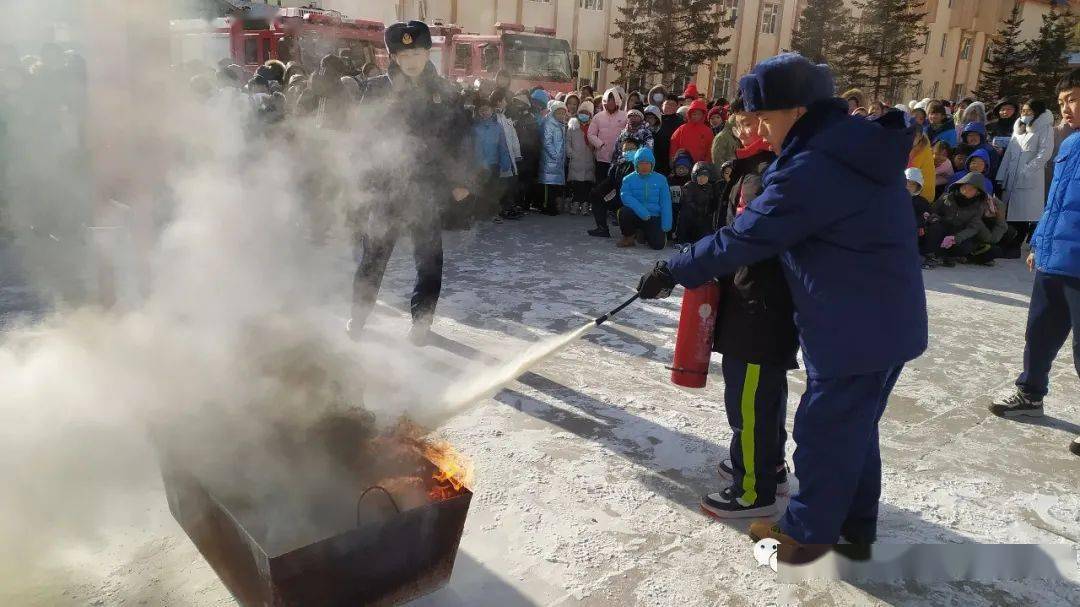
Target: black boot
600	232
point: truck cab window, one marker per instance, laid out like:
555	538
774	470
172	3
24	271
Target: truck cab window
490	59
462	57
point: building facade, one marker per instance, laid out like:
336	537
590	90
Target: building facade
951	56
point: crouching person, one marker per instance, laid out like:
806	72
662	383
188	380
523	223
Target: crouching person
646	202
960	211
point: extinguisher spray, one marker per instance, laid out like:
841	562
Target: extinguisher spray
694	337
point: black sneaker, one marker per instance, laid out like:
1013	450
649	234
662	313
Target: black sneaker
726	473
948	262
727	504
1017	404
930	262
599	233
1075	446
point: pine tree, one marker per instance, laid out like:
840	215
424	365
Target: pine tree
1000	73
879	57
824	24
668	37
1047	55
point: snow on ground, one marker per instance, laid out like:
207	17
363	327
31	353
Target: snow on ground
590	467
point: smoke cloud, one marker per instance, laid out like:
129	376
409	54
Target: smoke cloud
230	279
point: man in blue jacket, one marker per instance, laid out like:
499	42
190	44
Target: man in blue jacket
646	200
835	208
1055	258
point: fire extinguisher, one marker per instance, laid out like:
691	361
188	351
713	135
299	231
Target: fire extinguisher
694	337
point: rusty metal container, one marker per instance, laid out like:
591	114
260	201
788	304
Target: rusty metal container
388	559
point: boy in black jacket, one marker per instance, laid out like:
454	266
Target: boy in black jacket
699	199
605	196
755	333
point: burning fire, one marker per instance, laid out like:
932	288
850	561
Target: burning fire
453	471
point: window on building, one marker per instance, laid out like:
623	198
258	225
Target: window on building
926	42
722	81
934	90
966	46
462	57
944	42
730	10
988	51
916	90
958	90
683	78
770	15
591	5
635	83
589	71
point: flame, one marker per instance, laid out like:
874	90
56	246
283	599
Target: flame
453	471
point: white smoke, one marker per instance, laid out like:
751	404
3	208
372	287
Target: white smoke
228	339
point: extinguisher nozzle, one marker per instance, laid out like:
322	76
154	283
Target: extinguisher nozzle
603	319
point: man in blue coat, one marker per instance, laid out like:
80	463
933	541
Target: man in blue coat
835	209
1055	258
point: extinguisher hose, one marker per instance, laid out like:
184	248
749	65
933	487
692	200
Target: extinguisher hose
622	306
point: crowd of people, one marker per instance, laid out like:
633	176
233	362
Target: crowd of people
668	167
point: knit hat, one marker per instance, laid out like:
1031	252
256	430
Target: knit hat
554	106
637	113
586	107
715	111
682	111
540	96
690	92
683	159
655	111
785	81
914	174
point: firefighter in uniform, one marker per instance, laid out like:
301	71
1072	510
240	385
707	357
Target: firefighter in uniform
422	118
833	207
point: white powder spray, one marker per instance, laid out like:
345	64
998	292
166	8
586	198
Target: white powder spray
485	384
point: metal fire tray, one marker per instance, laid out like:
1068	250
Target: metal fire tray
390	560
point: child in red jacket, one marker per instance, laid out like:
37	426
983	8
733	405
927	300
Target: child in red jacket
695	137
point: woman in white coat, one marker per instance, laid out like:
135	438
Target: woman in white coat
1022	172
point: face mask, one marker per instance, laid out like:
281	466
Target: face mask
583	117
1027	119
658	99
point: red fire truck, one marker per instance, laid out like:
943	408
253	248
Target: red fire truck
533	57
287	34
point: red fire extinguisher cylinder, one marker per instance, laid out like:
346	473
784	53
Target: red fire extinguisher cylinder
694	337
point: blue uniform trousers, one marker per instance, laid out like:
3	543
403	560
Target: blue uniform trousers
1054	311
837	460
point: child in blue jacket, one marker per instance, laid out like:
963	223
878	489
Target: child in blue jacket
646	203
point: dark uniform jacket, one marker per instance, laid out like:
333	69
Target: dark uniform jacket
432	125
756	321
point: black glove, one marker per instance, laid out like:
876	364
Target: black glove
657	283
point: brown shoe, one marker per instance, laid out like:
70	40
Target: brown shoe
789	551
626	242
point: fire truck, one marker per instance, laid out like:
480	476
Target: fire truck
532	56
287	34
